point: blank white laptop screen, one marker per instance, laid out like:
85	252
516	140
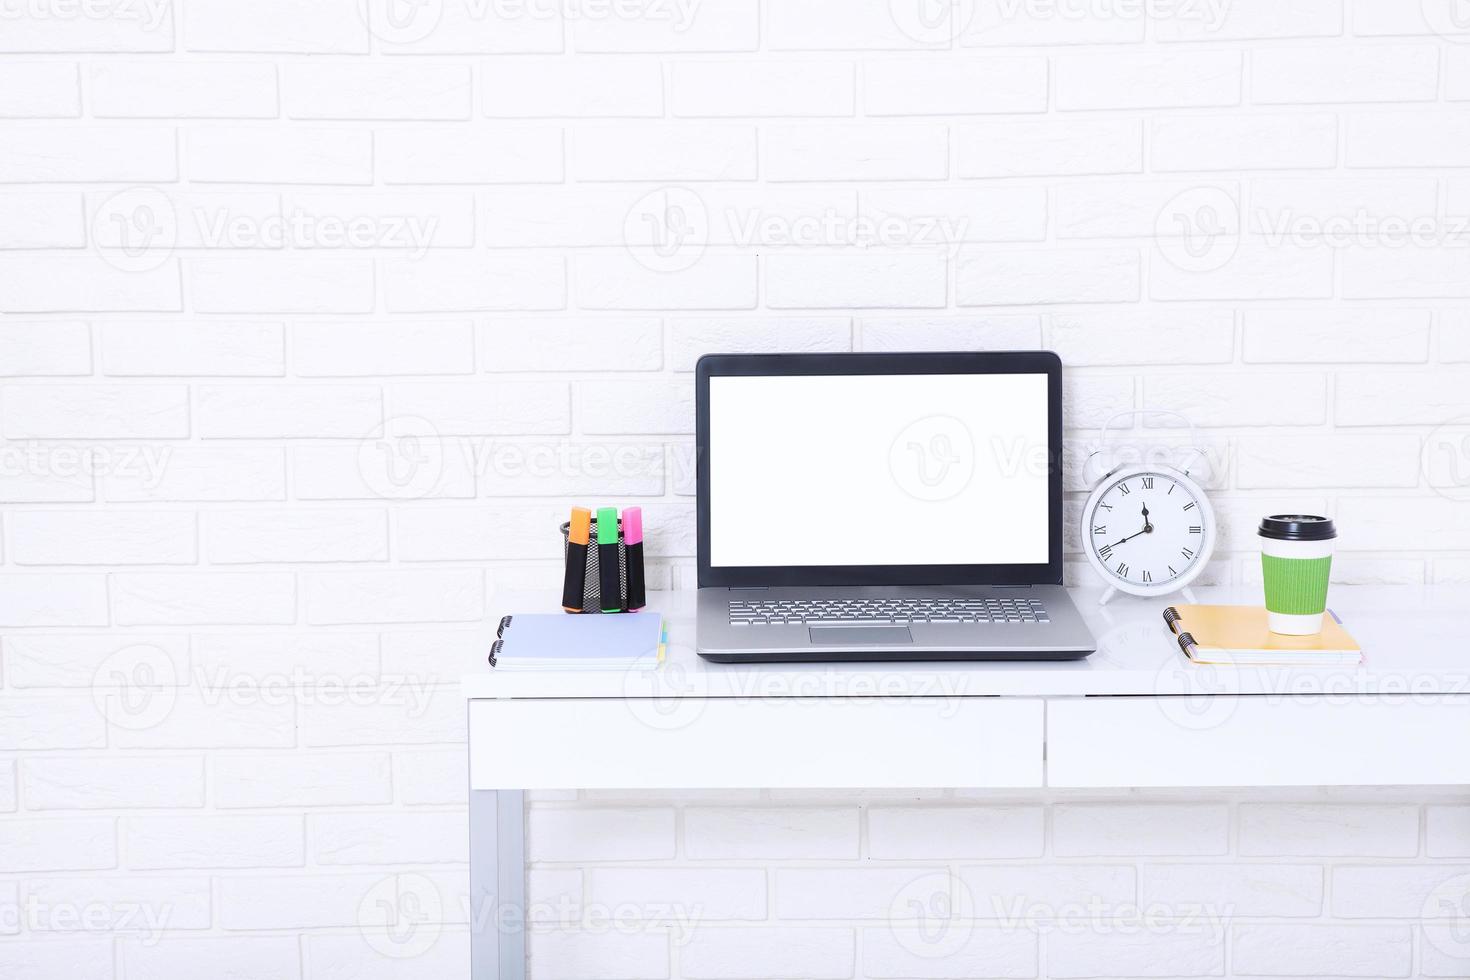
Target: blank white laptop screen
919	469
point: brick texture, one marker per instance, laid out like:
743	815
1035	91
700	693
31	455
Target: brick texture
282	283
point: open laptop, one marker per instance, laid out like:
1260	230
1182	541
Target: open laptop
882	507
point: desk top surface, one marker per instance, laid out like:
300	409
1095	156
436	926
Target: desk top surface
1413	637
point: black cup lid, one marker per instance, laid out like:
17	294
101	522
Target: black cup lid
1298	527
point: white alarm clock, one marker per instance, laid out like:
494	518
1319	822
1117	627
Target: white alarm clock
1148	528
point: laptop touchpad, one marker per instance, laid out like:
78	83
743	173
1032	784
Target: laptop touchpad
858	636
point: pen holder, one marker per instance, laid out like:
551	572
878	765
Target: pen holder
591	590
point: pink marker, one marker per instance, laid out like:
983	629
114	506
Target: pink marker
633	539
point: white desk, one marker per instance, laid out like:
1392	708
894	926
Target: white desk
1136	713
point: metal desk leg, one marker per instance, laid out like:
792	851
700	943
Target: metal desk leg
498	884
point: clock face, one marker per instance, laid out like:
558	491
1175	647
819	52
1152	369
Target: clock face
1148	531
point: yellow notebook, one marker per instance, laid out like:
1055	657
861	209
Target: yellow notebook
1242	635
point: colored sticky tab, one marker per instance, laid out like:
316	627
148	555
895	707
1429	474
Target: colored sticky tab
632	525
581	529
607	525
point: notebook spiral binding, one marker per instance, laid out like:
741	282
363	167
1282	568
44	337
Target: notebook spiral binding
504	622
1186	641
498	644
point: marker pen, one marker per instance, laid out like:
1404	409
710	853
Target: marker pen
607	559
633	538
578	536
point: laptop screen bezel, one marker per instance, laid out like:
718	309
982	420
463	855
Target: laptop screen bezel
961	362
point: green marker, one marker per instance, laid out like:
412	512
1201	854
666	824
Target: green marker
609	581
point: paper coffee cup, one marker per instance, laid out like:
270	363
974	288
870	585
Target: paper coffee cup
1296	559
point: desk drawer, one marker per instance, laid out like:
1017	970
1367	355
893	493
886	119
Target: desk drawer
1257	741
771	742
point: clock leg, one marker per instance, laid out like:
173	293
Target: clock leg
1107	596
1188	594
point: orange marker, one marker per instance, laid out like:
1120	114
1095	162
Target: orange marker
578	537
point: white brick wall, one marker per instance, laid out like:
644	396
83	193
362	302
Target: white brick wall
313	316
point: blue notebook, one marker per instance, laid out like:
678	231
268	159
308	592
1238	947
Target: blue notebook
582	642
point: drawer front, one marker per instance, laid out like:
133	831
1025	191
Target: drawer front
1257	741
746	743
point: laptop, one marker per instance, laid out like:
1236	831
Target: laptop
882	507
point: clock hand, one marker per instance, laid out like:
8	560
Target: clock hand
1148	527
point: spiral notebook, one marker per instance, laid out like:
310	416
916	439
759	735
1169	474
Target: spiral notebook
1242	635
558	641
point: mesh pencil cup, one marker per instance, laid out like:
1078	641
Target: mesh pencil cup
591	590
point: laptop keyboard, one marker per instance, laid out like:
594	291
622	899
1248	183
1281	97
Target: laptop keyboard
879	612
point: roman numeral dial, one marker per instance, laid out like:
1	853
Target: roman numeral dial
1146	530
